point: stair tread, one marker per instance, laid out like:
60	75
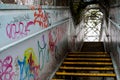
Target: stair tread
87	68
86	74
88	55
92	61
88	52
89	63
96	59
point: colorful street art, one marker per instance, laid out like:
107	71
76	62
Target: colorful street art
29	56
29	66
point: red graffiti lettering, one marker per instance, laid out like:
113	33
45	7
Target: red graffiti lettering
6	69
55	36
14	31
41	18
52	42
33	68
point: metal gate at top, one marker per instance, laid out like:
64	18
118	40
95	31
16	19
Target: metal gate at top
92	24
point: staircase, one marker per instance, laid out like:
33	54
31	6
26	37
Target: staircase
92	63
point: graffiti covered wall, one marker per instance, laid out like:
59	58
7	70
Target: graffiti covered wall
32	43
20	24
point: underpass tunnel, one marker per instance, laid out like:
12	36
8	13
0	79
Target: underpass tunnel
60	39
109	32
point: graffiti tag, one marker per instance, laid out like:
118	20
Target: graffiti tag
52	41
14	31
29	67
43	53
41	17
20	18
6	69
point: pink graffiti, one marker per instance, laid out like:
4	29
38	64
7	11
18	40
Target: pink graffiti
6	69
41	18
15	31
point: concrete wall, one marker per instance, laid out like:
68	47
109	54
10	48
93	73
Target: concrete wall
75	36
37	2
112	37
32	42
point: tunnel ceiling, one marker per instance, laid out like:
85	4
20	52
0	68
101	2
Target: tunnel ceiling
87	2
77	7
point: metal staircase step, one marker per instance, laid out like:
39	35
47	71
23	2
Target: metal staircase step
92	46
88	59
88	55
89	63
98	53
87	74
88	68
